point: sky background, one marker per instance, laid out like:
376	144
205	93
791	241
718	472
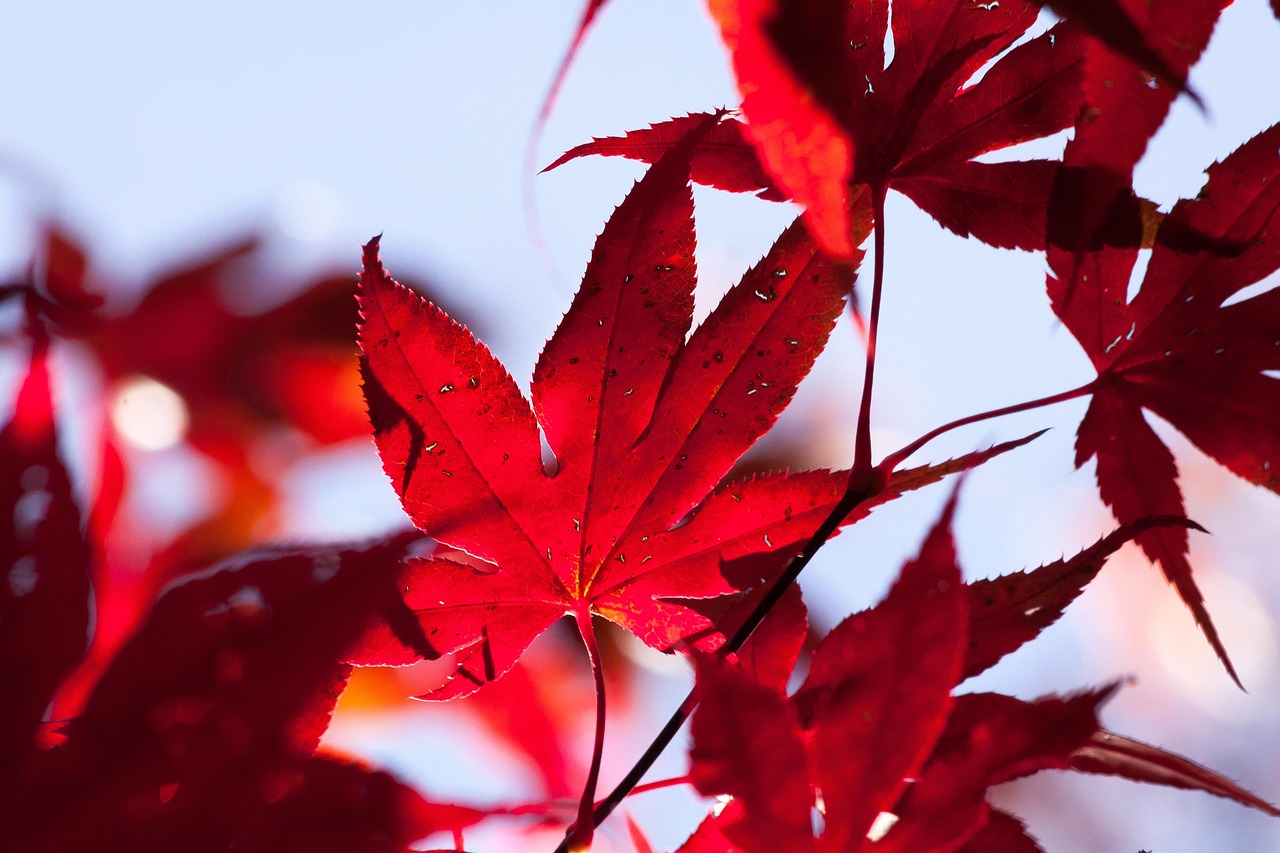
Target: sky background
155	130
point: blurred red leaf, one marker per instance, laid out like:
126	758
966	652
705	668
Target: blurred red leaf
200	733
44	596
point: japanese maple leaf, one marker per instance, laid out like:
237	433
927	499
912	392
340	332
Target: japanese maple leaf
1124	104
876	698
903	766
1180	351
826	113
642	423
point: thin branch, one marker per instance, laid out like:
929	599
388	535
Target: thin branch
893	460
579	837
862	467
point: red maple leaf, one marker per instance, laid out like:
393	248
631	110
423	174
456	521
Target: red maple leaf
643	425
826	113
903	766
1135	66
1180	351
877	697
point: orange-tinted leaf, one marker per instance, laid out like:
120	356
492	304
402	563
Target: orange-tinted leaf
1177	350
643	424
1007	611
1114	755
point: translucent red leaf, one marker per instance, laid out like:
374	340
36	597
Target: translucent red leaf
879	690
989	739
643	424
800	142
748	743
1123	106
1008	611
823	109
1114	755
44	580
1178	350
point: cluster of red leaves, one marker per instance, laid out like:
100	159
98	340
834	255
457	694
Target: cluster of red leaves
874	740
830	120
916	126
201	733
